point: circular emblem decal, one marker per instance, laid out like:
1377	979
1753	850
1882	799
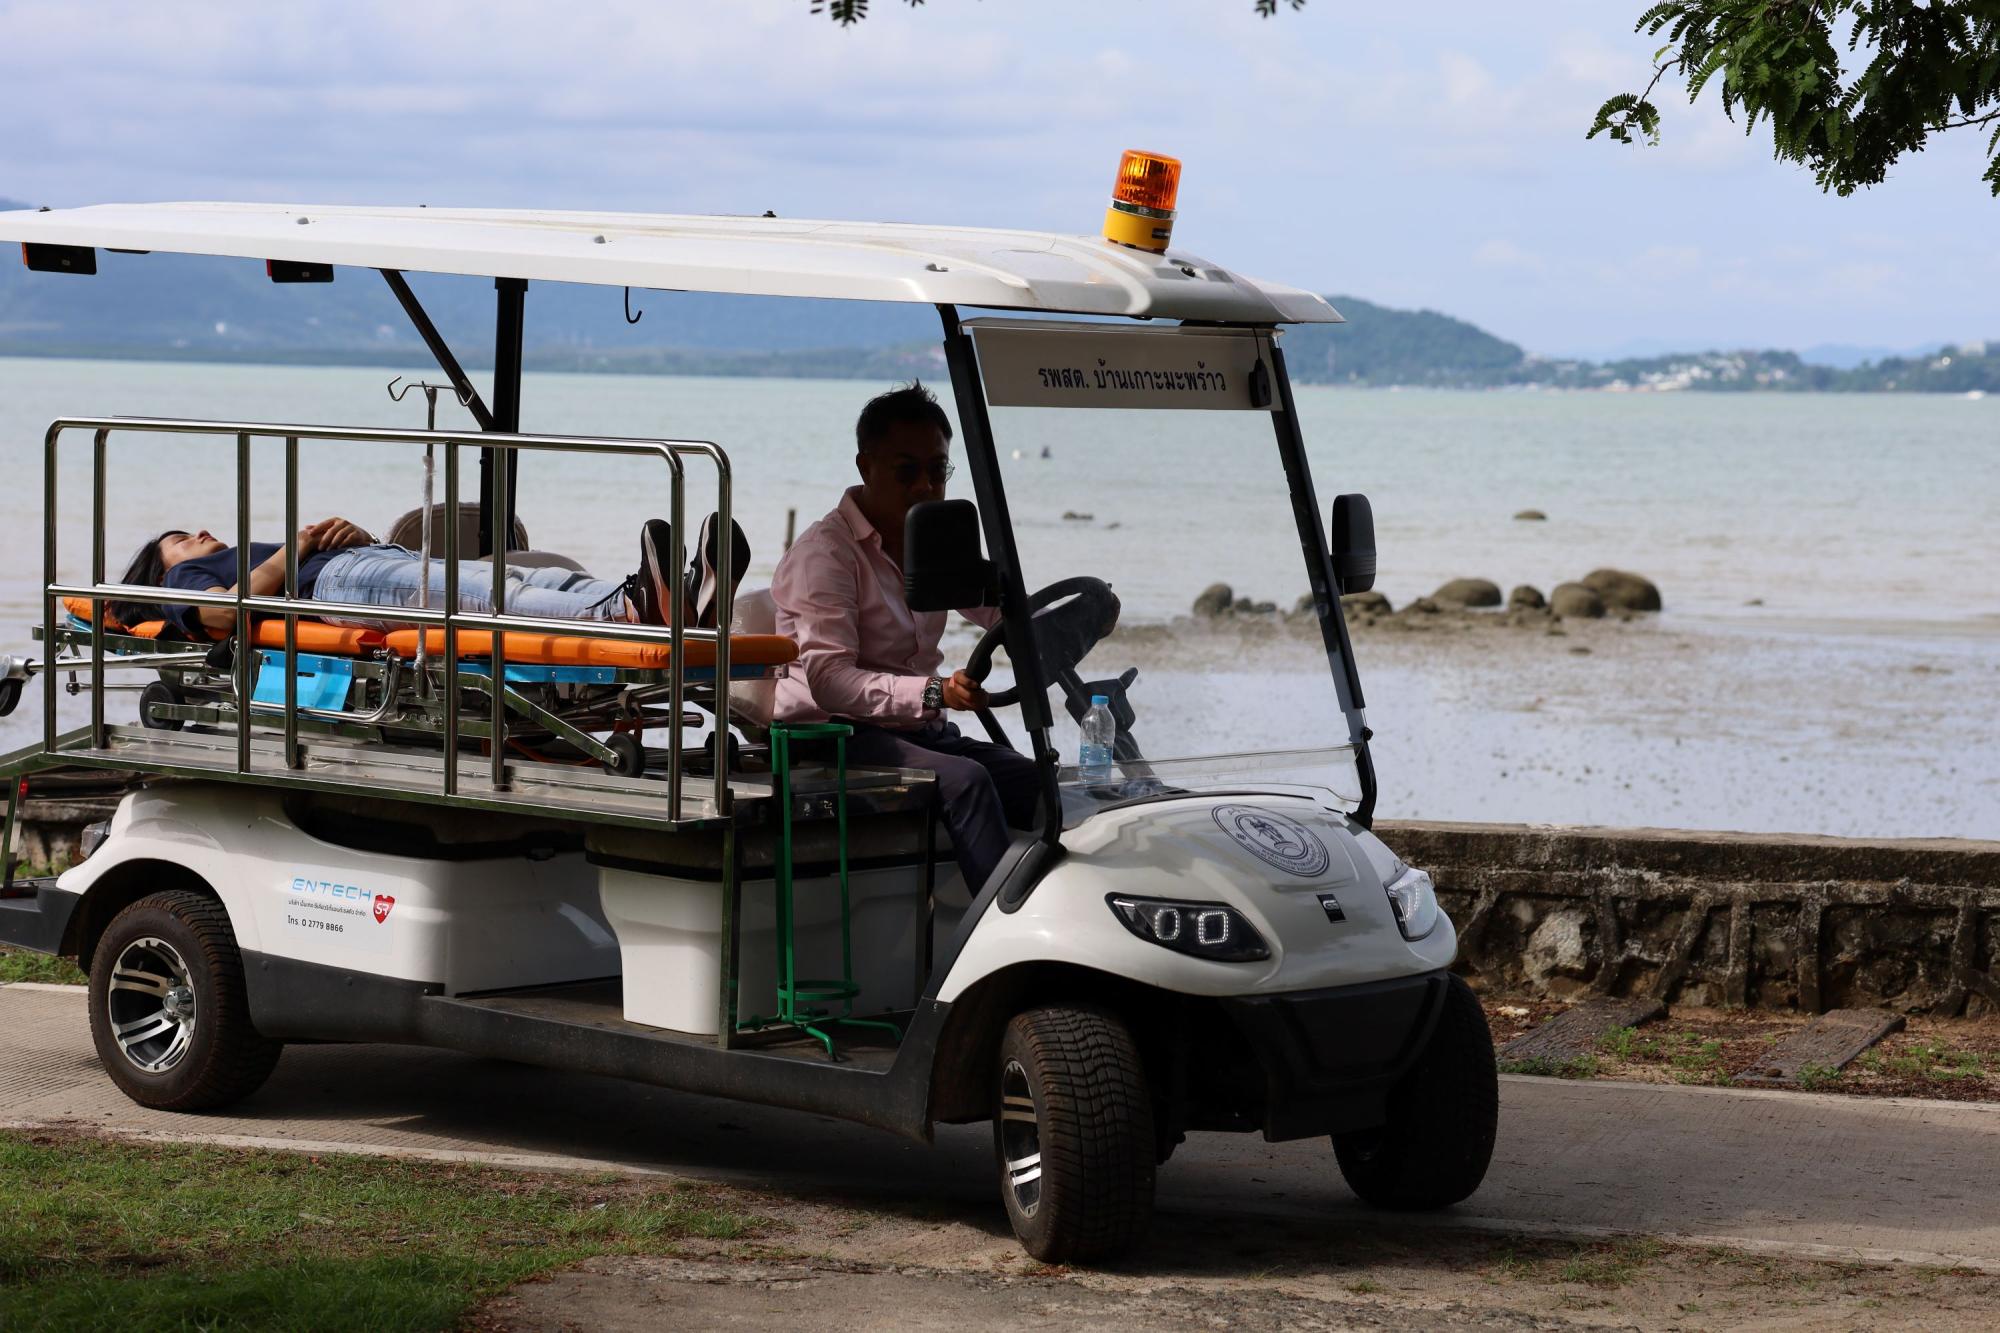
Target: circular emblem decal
1274	839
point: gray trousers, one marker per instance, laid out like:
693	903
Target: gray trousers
985	788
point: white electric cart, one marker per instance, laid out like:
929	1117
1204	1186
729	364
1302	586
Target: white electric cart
468	834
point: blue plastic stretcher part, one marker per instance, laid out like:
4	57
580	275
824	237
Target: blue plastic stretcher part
323	681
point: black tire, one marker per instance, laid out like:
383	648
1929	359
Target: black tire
153	696
732	749
628	754
1089	1126
1442	1118
207	1053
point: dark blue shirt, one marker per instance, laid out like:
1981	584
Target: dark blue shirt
219	571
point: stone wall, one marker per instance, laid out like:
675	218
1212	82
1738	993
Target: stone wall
1765	920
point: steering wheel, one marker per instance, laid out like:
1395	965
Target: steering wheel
1070	616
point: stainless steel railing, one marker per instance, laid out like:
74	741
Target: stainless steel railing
675	633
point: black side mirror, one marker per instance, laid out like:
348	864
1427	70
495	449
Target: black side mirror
1353	539
942	567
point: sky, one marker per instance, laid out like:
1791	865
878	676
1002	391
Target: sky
1426	155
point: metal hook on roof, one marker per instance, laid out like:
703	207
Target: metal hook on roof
631	318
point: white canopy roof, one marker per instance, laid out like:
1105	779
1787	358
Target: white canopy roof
868	261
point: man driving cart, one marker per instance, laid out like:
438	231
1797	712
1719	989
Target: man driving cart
866	658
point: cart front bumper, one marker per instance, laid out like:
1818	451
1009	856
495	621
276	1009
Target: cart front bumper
1331	1056
36	915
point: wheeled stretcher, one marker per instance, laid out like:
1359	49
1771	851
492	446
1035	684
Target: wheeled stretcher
570	697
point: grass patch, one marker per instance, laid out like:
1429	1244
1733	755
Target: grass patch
20	965
1815	1077
1931	1060
1694	1059
97	1234
1610	1265
1619	1042
1547	1066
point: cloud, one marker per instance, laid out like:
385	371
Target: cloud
1504	254
1427	155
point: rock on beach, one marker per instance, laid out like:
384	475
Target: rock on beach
1623	590
1468	592
1215	600
1531	516
1371	602
1574	599
1526	598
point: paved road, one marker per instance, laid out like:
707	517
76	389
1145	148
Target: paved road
1793	1172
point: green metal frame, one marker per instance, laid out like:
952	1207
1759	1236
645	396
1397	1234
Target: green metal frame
807	1004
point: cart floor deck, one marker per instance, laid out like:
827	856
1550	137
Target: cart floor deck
600	1005
336	763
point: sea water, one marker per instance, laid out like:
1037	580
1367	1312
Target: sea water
1805	515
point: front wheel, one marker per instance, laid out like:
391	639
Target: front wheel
1073	1134
1435	1148
168	1010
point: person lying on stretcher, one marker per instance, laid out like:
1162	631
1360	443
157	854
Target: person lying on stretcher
339	562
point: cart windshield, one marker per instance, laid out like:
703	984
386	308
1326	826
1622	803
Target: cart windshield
1217	664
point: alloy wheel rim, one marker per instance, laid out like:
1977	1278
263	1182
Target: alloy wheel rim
1020	1139
151	1004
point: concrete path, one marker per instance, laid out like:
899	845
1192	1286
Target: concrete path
1825	1176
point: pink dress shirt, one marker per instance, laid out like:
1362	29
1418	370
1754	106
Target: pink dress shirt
863	654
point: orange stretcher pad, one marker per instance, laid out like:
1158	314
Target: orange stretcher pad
314	636
523	649
527	649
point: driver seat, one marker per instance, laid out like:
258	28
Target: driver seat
752	702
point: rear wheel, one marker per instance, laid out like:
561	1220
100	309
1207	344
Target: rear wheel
1073	1134
1435	1148
628	754
158	694
168	1010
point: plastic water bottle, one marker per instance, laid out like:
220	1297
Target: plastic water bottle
1100	733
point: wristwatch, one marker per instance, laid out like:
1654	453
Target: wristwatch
934	695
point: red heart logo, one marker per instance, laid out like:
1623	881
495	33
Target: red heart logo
383	902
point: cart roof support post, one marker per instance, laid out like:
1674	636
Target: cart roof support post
509	315
420	320
984	461
1325	586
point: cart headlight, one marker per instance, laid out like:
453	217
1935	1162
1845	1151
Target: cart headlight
1413	898
1203	930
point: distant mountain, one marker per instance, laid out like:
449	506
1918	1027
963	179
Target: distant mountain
1378	345
195	308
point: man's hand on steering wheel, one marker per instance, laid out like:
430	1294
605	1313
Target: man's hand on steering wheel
962	693
1070	616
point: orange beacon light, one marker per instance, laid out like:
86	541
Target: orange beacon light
1142	201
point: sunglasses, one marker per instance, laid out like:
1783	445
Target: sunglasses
939	469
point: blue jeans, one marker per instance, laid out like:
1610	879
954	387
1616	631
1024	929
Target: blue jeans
395	576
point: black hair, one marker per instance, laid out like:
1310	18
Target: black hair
912	404
149	569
